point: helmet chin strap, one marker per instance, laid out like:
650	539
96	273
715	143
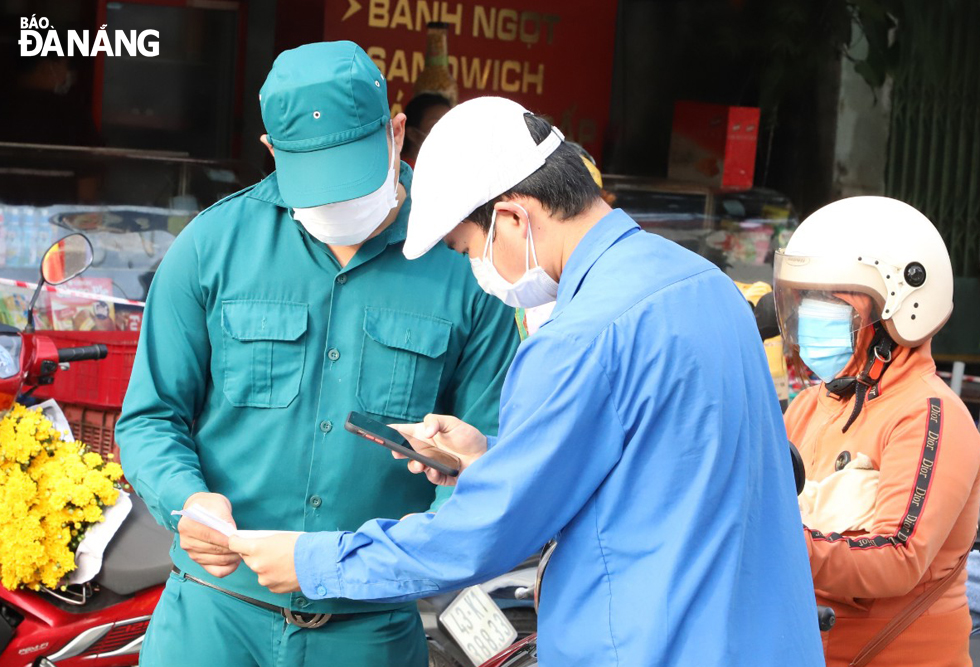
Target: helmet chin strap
879	358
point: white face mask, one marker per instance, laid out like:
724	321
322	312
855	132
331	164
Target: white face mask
534	288
353	221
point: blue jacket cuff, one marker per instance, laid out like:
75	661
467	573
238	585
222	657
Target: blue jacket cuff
316	557
491	441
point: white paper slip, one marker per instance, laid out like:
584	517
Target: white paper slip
203	516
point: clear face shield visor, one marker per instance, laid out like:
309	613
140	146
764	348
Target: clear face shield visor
816	302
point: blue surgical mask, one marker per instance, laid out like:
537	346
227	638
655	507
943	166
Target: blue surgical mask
824	334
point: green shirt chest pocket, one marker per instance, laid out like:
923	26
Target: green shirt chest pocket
402	361
264	350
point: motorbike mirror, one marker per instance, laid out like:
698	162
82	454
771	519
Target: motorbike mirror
67	259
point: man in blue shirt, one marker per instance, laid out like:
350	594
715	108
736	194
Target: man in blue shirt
639	424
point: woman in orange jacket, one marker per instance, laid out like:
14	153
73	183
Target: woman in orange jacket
892	455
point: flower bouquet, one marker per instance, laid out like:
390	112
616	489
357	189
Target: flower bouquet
51	491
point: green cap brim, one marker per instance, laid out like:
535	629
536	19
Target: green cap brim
334	174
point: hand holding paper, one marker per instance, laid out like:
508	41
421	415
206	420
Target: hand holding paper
200	514
270	555
204	527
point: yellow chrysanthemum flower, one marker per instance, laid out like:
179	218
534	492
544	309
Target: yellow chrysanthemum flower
50	492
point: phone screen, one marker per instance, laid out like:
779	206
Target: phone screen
375	427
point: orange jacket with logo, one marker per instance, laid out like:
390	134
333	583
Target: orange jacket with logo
922	439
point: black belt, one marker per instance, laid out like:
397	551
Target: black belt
299	619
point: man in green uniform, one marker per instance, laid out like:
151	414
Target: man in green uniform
275	313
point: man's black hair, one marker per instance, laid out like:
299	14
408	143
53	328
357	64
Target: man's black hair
563	185
416	109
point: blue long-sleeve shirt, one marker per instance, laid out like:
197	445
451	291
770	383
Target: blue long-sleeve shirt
642	425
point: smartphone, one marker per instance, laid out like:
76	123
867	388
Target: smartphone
360	424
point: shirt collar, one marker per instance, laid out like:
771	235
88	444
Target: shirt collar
267	190
605	234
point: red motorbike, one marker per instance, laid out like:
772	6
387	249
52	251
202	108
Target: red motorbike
100	623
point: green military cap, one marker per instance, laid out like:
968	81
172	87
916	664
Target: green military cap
325	110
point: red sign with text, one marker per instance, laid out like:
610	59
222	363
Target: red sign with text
554	57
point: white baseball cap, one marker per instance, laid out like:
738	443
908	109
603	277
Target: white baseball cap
476	152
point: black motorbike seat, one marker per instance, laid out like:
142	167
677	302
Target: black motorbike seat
138	555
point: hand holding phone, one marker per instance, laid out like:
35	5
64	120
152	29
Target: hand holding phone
381	434
447	433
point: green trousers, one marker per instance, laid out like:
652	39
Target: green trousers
197	626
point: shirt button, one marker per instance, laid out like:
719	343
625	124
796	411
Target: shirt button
333	354
342	279
326	426
321	591
316	501
302	603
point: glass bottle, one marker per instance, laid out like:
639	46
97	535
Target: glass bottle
435	76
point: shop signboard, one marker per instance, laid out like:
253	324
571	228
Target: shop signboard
554	57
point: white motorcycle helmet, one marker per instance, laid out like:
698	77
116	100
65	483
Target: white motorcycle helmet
876	246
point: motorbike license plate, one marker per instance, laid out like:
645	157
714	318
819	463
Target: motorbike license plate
476	623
